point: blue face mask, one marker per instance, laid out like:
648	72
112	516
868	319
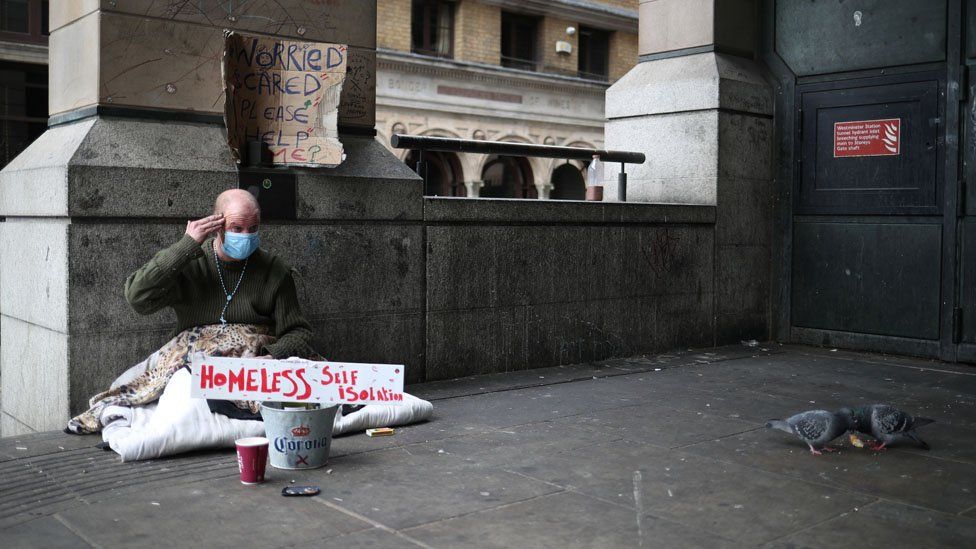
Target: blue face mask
240	245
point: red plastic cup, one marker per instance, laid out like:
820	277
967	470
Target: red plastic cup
252	458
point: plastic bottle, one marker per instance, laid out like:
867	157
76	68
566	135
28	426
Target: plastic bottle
594	180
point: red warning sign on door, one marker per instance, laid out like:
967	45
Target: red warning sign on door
867	138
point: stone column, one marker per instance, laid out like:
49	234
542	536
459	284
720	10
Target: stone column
136	146
543	190
473	188
697	105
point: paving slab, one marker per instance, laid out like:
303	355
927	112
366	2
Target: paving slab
951	442
507	381
562	520
385	486
964	384
923	480
862	357
729	500
30	446
660	425
216	513
46	532
374	538
45	484
534	441
509	408
661	450
832	391
747	505
886	524
438	428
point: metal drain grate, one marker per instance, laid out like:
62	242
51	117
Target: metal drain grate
38	486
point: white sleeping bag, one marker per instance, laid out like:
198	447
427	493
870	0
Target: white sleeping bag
178	423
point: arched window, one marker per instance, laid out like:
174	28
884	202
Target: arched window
567	183
507	177
443	173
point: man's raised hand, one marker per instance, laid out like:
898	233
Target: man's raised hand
201	228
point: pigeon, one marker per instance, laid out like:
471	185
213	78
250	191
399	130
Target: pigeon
886	424
814	427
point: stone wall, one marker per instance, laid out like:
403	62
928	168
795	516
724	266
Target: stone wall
529	284
446	287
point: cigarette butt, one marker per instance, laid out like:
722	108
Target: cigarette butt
380	432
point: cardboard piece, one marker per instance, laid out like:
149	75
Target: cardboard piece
285	93
295	380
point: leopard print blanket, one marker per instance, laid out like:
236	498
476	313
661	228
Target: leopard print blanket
237	340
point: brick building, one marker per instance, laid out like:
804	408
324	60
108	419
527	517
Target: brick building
529	71
23	74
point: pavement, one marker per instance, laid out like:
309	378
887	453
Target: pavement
658	451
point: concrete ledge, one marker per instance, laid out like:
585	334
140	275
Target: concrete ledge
35	182
23	53
371	184
110	167
869	342
542	212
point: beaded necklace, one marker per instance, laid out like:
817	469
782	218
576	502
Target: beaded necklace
230	295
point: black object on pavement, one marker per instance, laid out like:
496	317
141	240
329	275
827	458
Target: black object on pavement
296	491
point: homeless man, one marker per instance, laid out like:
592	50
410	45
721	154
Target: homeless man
231	298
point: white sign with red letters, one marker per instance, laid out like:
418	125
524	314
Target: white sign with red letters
295	380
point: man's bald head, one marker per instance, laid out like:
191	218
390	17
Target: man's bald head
241	212
237	200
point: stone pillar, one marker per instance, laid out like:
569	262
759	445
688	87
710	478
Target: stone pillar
474	188
136	146
697	105
543	190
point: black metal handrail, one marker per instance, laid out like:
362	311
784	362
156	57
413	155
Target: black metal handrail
503	148
423	143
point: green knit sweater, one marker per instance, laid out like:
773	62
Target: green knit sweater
184	277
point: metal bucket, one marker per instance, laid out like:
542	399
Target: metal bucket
300	438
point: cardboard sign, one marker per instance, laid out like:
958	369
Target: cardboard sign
286	94
225	378
867	138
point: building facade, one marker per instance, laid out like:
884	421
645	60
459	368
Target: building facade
23	74
530	71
